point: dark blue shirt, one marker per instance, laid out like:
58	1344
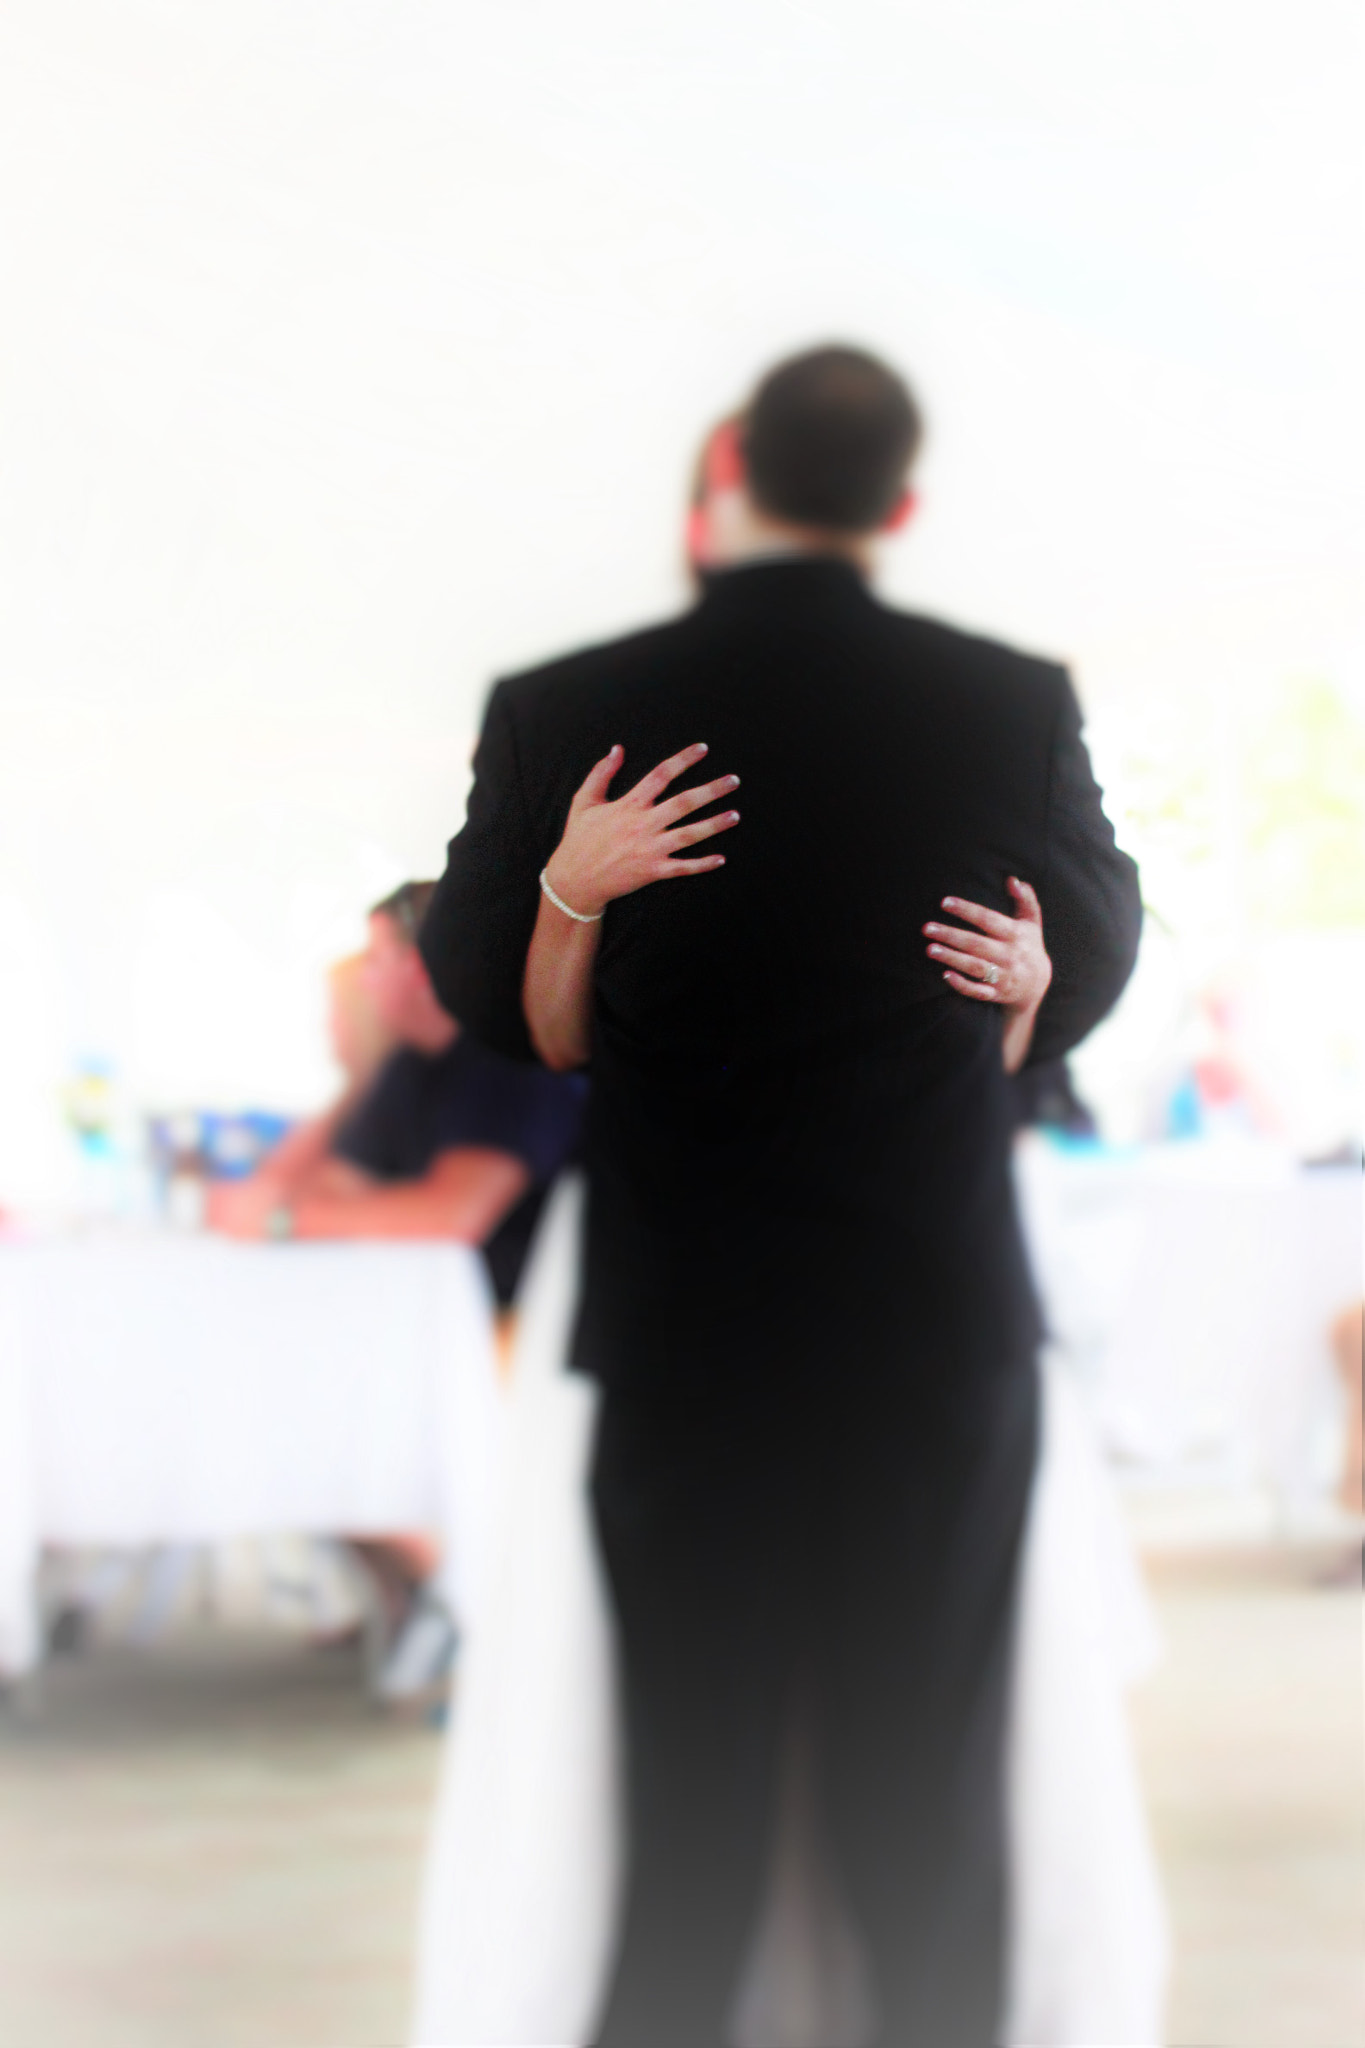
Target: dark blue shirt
424	1104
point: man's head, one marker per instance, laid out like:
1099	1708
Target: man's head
396	978
828	441
819	459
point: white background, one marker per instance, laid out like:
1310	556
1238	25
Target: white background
355	352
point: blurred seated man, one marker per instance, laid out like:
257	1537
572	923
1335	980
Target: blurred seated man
448	1140
361	1041
445	1140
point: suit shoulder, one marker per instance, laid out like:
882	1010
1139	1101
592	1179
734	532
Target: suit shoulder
585	670
976	654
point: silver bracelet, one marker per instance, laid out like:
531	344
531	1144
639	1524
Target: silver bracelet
578	916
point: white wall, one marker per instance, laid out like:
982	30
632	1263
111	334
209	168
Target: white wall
356	351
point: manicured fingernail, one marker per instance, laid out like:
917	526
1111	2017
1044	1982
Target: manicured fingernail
949	903
734	782
932	928
937	951
734	817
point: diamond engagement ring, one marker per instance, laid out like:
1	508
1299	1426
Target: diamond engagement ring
992	973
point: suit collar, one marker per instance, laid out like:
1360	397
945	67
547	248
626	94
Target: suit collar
777	581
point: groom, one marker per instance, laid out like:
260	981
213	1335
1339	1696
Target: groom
805	1290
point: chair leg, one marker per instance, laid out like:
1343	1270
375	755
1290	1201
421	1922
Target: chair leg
169	1570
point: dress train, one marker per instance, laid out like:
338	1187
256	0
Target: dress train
524	1865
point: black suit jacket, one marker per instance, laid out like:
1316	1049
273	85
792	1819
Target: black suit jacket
798	1140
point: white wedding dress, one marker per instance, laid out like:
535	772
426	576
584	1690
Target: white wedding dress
525	1860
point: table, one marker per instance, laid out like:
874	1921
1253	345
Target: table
182	1389
1190	1288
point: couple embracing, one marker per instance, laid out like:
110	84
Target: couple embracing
801	880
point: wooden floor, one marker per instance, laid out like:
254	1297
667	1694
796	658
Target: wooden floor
1252	1741
213	1844
216	1843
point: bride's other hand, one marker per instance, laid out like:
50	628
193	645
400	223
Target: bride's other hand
611	848
1004	961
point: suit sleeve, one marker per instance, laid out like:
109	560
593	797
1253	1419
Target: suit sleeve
1092	909
478	926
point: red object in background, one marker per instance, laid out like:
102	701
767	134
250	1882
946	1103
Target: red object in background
724	458
1218	1080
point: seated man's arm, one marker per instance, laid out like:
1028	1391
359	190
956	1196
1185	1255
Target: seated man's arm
463	1196
304	1150
237	1206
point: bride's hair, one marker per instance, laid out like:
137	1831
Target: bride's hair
406	907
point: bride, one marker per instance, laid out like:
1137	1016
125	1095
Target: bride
524	1871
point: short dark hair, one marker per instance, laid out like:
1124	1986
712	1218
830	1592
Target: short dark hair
406	907
828	439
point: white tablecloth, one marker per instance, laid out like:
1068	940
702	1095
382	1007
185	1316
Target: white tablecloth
1190	1288
191	1389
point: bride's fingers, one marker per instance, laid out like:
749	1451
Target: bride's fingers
976	913
951	938
991	972
688	835
1029	906
966	985
598	779
653	785
669	869
689	800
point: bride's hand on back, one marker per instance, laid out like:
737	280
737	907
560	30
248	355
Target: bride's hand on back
611	848
1004	960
